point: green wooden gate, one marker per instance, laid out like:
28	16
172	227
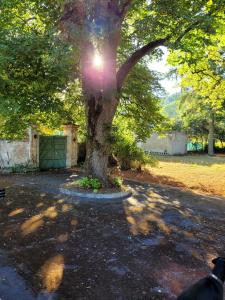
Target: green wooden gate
52	152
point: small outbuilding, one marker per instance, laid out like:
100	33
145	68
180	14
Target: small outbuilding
174	143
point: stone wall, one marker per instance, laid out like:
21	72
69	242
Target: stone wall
14	153
174	143
179	143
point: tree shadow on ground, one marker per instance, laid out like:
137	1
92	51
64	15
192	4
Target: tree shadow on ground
149	246
148	177
187	228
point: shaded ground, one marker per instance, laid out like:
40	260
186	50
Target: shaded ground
196	172
150	246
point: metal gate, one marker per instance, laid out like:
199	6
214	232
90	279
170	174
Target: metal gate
52	152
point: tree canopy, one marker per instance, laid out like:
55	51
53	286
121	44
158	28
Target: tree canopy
46	45
202	72
35	64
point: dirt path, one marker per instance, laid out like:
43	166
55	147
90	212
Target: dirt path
150	246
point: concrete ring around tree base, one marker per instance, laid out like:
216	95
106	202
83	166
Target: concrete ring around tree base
96	196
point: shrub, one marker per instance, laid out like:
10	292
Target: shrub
131	156
124	146
117	181
89	183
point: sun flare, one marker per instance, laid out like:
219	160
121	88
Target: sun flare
98	61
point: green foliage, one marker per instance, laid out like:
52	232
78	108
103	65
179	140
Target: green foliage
89	183
200	64
170	18
117	181
37	67
74	108
171	108
35	64
140	106
125	147
9	128
171	105
220	129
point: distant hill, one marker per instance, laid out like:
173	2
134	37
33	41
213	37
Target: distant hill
170	105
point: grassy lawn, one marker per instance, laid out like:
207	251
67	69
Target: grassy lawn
197	172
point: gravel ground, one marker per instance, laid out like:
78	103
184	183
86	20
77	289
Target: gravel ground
150	246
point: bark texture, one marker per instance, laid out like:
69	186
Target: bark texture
99	120
100	96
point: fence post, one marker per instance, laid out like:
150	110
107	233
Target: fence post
72	146
34	146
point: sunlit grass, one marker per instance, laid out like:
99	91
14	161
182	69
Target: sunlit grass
199	172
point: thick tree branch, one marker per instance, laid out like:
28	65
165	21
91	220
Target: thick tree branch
140	53
187	30
135	58
125	7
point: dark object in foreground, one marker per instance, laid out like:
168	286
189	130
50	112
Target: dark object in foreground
208	288
2	193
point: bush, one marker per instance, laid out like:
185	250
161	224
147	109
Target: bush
117	181
89	183
125	148
131	156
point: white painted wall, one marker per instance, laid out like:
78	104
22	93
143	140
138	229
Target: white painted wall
25	152
174	143
179	143
72	145
13	153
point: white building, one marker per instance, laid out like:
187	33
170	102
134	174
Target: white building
174	143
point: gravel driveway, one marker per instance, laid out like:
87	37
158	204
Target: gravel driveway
150	246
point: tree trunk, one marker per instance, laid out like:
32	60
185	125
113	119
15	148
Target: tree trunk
99	123
211	135
100	95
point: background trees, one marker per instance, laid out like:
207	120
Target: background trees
202	70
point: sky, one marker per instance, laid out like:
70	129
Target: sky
170	85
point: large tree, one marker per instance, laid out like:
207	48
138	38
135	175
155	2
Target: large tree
100	29
37	84
109	38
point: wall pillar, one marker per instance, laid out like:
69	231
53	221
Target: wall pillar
34	146
72	146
